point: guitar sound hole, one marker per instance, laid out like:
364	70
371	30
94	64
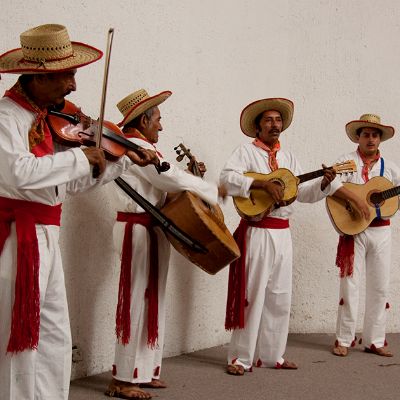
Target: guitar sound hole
375	198
279	182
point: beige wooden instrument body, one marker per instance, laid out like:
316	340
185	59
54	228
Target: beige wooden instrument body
343	217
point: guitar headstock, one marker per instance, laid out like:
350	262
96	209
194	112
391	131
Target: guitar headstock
182	152
345	167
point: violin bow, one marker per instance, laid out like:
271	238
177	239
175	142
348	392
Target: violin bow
110	37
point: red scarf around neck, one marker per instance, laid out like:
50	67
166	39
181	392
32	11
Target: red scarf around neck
367	163
272	161
40	139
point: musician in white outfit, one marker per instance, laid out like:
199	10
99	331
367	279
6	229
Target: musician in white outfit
367	252
260	282
35	176
144	251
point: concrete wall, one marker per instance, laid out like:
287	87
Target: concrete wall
335	59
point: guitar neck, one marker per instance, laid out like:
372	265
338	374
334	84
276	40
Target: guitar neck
310	175
387	194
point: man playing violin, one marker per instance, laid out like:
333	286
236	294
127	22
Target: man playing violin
144	251
260	281
368	252
35	176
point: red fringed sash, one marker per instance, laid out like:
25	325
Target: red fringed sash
26	310
236	300
345	249
123	315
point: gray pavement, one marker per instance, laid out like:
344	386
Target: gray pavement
321	375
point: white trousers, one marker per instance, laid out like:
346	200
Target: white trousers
269	290
43	374
136	362
372	254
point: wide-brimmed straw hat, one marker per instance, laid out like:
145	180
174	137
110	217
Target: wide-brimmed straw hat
368	121
138	102
46	49
247	118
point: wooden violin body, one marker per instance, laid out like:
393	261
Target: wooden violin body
204	223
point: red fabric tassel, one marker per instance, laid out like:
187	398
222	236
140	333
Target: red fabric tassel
157	371
25	321
387	306
236	299
123	315
345	255
114	370
135	373
386	343
341	302
259	363
235	303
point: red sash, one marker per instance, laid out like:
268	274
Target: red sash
345	249
123	315
26	310
236	300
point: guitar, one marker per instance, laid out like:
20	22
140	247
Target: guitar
378	192
203	222
260	203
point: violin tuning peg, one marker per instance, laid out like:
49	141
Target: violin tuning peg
177	151
176	147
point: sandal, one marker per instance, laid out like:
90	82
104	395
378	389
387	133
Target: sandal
286	365
126	390
235	369
154	384
340	351
379	351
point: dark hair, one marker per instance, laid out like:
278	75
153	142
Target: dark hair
358	131
25	79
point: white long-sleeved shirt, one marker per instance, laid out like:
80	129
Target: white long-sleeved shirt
250	158
154	187
46	179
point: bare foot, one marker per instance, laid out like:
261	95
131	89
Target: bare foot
340	351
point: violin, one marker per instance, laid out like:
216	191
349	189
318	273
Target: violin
71	127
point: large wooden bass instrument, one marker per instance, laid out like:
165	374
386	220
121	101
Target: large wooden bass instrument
204	223
260	203
379	193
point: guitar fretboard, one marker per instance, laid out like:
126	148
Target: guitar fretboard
311	175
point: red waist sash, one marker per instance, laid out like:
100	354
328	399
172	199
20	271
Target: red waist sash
236	299
123	315
26	310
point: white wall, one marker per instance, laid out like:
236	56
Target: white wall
335	59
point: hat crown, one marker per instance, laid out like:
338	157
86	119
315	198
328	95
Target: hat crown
127	103
48	42
372	118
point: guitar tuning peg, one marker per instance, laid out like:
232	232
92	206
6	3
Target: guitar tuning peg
176	147
177	151
180	157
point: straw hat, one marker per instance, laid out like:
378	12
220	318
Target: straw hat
247	118
368	121
47	48
138	102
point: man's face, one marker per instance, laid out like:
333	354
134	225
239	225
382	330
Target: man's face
270	127
152	126
369	141
54	87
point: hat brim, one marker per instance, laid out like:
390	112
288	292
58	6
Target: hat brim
247	118
13	61
353	126
143	106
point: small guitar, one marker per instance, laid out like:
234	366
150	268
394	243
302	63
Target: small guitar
378	192
260	203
